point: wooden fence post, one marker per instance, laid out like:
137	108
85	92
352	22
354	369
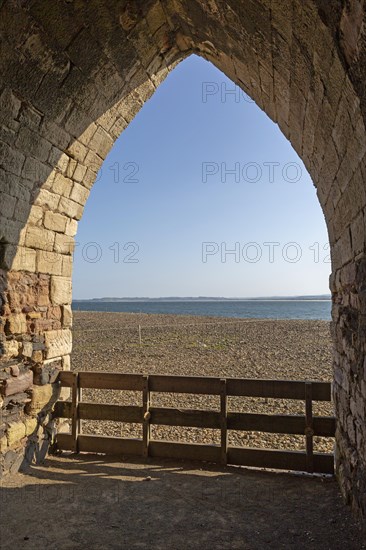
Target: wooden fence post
309	430
146	417
75	421
223	420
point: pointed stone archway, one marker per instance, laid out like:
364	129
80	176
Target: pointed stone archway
74	74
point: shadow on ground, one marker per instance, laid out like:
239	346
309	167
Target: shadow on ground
89	502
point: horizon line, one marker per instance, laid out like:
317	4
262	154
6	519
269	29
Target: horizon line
273	297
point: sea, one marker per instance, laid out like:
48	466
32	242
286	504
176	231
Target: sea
251	309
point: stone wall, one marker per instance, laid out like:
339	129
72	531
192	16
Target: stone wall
74	74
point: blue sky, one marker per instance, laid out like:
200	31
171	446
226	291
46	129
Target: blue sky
166	210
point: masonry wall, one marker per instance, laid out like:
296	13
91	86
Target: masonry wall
73	75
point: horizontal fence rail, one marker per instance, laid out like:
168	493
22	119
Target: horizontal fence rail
307	425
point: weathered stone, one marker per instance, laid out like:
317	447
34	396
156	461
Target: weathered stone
60	184
79	194
71	208
71	228
11	159
40	398
48	372
20	258
3	443
32	144
64	244
9	106
67	316
10	349
7	205
17	384
79	173
30	425
13	460
66	266
49	262
58	343
37	356
16	324
46	199
61	290
15	433
39	238
55	221
14	369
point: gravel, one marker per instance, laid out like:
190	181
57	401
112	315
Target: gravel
204	346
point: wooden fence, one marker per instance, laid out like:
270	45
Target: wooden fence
224	420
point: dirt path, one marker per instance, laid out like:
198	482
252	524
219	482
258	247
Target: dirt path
87	502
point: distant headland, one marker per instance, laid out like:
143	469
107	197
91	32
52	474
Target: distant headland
317	297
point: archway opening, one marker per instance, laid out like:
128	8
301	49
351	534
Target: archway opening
203	227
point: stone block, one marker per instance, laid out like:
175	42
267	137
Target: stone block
87	134
30	425
15	370
67	316
93	161
71	208
9	106
35	170
49	262
71	169
67	266
59	160
58	343
35	215
27	350
11	159
61	185
89	178
66	362
41	397
101	142
48	372
21	212
7	205
13	460
77	150
79	172
46	199
17	384
39	238
16	323
61	290
79	194
55	222
15	433
10	349
31	143
3	443
71	228
64	244
55	134
10	230
37	356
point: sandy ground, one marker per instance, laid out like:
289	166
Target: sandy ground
90	503
186	345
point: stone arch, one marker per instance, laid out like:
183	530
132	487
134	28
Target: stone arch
74	74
